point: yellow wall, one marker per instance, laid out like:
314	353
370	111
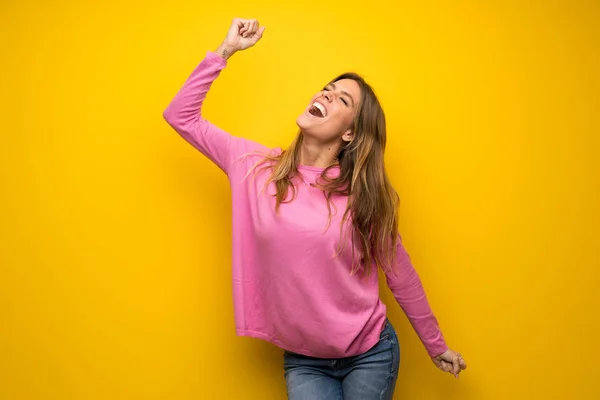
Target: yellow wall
115	233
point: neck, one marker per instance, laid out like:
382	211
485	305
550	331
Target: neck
319	155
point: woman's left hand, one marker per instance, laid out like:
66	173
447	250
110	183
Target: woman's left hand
450	361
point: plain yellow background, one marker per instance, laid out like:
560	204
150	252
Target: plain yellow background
115	233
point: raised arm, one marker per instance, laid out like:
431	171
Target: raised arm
184	113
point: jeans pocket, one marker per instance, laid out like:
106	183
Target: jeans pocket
386	332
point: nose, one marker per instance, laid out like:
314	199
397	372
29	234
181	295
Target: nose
327	96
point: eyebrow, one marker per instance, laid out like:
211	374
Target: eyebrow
343	92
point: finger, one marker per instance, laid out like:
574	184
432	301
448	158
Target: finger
245	28
440	365
455	366
253	28
239	23
446	367
250	29
259	33
463	363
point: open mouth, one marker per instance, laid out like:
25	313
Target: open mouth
318	110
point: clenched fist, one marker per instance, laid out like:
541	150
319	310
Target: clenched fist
243	34
450	361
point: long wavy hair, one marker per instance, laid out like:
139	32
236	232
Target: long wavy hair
372	201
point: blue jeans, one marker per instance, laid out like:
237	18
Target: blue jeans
368	376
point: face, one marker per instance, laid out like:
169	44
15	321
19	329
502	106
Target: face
330	113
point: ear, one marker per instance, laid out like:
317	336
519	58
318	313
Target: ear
348	135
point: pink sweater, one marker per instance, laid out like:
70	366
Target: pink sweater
289	287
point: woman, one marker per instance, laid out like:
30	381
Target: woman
311	227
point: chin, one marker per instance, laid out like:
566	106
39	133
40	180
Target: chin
311	127
303	121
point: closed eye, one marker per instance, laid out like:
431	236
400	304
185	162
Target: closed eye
326	89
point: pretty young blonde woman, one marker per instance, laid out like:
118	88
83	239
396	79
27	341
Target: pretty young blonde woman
311	226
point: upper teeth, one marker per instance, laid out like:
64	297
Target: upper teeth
321	107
